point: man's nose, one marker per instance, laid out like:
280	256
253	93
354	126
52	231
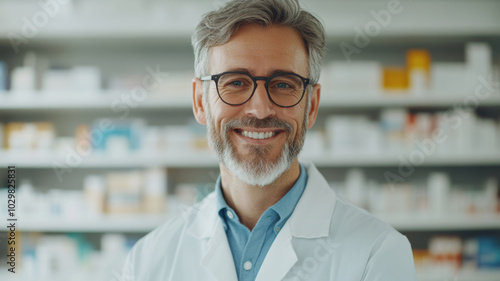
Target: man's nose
260	105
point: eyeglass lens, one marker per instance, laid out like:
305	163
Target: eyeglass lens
237	88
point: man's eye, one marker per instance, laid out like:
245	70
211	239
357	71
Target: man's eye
236	83
283	85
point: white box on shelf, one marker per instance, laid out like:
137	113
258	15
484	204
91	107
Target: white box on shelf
2	145
56	80
85	79
448	78
314	144
478	59
467	131
486	135
393	122
438	188
361	77
23	79
498	135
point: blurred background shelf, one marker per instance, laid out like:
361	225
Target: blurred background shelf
415	222
39	101
108	224
145	22
482	275
107	100
192	159
141	223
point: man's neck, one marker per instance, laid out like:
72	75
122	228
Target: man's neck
250	202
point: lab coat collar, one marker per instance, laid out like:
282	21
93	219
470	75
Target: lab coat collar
313	214
217	259
207	219
310	219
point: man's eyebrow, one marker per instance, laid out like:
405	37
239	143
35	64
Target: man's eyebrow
246	70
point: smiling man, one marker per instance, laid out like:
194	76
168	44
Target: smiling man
270	217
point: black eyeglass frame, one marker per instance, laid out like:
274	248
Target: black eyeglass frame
268	79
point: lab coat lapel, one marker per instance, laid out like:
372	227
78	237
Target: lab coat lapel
217	258
280	258
310	220
313	214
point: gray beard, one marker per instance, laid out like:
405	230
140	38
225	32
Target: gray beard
257	171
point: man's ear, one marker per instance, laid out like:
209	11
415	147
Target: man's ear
198	106
313	109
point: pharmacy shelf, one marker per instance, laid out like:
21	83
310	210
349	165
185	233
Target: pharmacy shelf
132	160
110	223
480	275
180	19
400	99
208	159
107	100
396	159
146	223
412	222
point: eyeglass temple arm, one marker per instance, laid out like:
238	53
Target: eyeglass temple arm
206	78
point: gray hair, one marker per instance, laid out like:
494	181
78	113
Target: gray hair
217	27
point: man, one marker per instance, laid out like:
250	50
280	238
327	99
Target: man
270	217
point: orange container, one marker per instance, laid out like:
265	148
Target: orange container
418	59
396	78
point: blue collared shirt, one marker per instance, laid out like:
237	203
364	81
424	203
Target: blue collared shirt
249	248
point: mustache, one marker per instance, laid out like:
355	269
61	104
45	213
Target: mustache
268	122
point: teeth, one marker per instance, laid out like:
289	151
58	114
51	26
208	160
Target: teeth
258	136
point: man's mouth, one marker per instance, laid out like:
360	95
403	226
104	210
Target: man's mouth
258	135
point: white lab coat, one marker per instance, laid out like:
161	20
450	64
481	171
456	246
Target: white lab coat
325	238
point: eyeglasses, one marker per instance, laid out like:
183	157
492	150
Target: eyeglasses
285	89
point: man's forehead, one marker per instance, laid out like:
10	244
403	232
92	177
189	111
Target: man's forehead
260	49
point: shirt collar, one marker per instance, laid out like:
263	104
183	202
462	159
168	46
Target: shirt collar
284	207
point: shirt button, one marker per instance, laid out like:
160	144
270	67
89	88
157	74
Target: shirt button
230	214
247	265
278	228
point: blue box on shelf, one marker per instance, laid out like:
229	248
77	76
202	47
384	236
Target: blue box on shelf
3	77
488	253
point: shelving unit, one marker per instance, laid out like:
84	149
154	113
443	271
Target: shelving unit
207	159
415	222
43	101
146	223
107	224
140	37
465	276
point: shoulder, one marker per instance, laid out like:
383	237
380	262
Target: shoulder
352	218
365	232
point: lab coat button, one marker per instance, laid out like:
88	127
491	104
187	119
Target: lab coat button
247	265
230	214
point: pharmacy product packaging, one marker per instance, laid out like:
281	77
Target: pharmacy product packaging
3	77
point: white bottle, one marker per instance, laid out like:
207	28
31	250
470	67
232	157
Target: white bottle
438	186
94	190
491	196
355	185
